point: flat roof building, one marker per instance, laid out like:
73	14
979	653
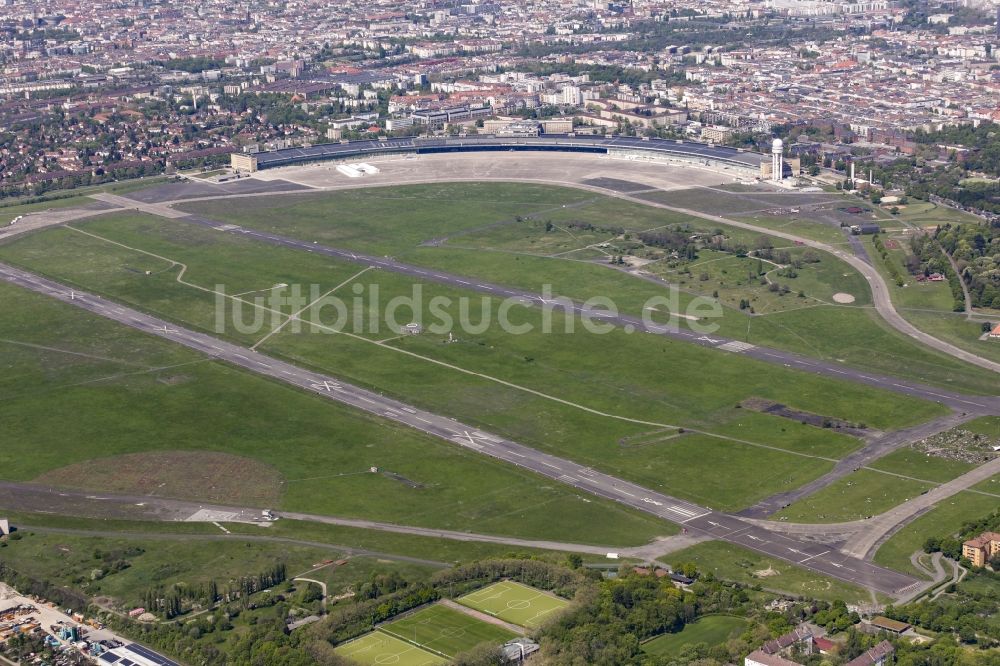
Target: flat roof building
892	626
243	163
134	655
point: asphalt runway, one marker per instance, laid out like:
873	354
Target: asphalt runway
691	517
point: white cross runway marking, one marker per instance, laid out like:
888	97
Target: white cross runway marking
684	511
326	386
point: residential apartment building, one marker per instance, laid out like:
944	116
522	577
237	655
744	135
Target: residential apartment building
982	549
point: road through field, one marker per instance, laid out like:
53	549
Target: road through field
694	518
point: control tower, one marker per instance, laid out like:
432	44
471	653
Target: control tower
777	167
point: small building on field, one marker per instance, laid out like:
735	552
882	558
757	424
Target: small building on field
892	626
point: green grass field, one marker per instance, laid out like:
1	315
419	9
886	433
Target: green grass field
373	214
986	425
515	603
579	395
445	630
734	563
378	648
485	241
429	553
495	379
910	462
989	485
943	520
797	224
711	630
91	389
856	496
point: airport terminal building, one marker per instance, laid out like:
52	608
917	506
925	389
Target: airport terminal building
675	152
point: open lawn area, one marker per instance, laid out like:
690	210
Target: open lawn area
728	200
943	520
989	485
738	564
856	496
425	552
483	239
379	648
910	462
445	630
799	224
584	395
515	603
388	220
711	630
79	388
986	425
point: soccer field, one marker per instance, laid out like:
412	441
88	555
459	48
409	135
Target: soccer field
446	630
515	603
378	648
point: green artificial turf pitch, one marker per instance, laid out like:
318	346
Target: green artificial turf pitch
379	648
515	603
445	630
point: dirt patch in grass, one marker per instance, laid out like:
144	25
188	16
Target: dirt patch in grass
777	409
194	475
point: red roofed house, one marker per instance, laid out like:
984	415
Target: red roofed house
761	658
880	655
825	645
995	333
774	652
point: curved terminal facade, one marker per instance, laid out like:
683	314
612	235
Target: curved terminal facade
661	150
